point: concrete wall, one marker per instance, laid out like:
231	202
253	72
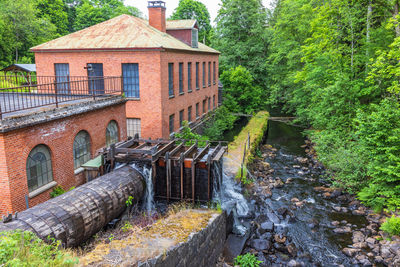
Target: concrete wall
58	135
202	249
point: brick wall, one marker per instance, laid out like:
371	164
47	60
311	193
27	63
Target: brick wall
183	101
154	106
58	135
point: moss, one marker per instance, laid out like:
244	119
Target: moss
255	128
148	242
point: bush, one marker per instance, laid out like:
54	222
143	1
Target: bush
19	248
247	260
58	190
222	121
187	134
392	226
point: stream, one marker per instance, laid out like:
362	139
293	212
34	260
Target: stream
293	225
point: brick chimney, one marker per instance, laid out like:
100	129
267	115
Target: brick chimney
157	15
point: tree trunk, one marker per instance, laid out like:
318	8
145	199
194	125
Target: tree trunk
395	17
369	15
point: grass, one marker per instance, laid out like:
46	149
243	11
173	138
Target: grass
142	243
255	128
18	248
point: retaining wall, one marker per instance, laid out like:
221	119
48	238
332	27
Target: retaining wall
202	249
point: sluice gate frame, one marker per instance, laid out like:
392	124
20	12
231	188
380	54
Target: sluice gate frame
181	169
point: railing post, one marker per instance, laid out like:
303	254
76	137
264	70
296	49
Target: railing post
56	92
93	88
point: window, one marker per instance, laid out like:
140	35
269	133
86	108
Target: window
112	133
130	79
204	74
213	101
181	118
180	78
197	110
171	79
197	76
171	123
204	106
133	127
209	73
62	78
189	76
209	103
190	114
38	167
195	38
214	72
81	149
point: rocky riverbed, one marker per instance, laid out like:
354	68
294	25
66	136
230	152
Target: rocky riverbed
300	220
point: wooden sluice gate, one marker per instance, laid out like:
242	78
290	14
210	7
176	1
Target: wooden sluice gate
181	169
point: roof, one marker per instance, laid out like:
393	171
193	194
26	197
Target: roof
181	24
124	32
21	67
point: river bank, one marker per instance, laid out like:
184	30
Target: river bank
299	220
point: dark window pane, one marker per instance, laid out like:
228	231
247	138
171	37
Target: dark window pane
180	78
130	74
171	79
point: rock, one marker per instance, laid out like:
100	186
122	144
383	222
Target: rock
370	240
296	166
279	238
282	211
323	189
327	195
299	204
385	253
342	230
358	212
335	223
234	245
260	244
300	173
294	199
336	193
278	183
350	251
358	237
338	209
266	192
293	263
378	259
289	180
267	226
360	245
395	248
291	248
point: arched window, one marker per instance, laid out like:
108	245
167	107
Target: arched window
38	167
81	149
111	133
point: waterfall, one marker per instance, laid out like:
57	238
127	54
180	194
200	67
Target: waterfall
148	199
228	192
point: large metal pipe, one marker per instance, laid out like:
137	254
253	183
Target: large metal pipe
75	216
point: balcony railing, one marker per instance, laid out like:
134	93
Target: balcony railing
18	94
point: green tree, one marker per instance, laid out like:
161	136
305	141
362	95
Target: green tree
192	9
55	12
241	94
242	37
23	30
91	12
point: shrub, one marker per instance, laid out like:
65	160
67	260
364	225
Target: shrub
392	226
19	248
58	190
247	260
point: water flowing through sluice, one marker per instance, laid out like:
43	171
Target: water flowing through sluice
148	204
230	197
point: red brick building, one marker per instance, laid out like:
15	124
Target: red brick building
44	148
167	75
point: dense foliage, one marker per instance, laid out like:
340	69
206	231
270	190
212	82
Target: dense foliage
19	248
247	260
192	9
392	226
24	24
335	65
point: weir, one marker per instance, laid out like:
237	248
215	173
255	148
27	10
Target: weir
180	169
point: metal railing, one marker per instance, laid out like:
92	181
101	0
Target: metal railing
54	90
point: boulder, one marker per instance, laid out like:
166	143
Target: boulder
342	230
358	236
267	226
260	244
279	238
350	251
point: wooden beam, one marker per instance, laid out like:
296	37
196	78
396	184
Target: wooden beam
163	150
201	153
220	153
176	149
181	163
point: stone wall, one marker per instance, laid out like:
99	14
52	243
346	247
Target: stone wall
202	249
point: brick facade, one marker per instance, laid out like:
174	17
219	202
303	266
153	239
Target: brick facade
154	106
58	136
